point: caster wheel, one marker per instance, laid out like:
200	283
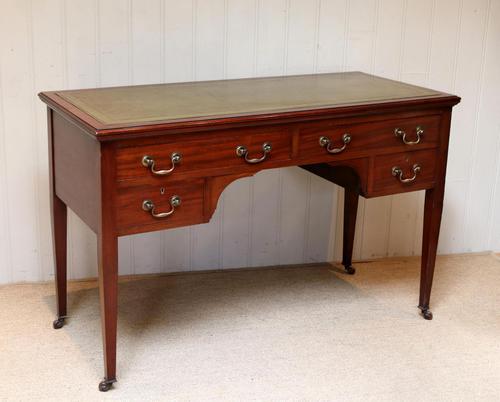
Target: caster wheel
58	323
350	270
105	385
427	314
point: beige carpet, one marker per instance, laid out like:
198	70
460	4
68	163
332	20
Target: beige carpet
285	334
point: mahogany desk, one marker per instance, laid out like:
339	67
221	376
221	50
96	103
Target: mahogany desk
142	158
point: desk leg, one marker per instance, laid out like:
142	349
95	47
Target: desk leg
350	211
108	291
432	222
59	233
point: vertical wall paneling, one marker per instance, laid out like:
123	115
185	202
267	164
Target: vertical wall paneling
271	37
360	37
388	43
320	216
205	243
81	43
402	217
178	40
485	156
20	139
451	236
377	214
147	42
265	203
277	216
209	40
48	73
241	38
331	35
493	58
83	249
114	24
302	37
293	215
125	255
418	26
236	225
176	250
467	78
6	269
444	44
147	253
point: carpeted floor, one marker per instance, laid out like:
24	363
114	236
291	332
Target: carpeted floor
284	334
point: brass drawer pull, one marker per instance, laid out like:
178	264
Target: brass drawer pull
398	172
149	162
242	152
149	206
325	142
398	132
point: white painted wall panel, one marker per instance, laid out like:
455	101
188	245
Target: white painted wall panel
19	140
265	208
332	34
49	72
113	44
241	38
179	27
486	152
5	235
272	37
279	216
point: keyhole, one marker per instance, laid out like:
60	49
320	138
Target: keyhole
162	190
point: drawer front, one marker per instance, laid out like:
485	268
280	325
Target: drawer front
202	152
408	171
133	216
366	138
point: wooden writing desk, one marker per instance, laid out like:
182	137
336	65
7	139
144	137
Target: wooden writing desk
142	158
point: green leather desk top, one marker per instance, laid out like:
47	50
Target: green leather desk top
218	99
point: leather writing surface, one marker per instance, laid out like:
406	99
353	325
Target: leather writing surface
165	102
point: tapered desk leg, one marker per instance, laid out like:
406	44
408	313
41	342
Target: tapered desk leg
59	220
350	211
432	222
59	233
108	291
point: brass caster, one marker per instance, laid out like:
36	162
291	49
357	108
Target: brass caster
58	323
105	385
426	313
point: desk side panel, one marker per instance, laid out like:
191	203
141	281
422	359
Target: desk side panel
76	169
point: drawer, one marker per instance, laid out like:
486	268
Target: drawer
369	137
202	152
134	215
408	171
